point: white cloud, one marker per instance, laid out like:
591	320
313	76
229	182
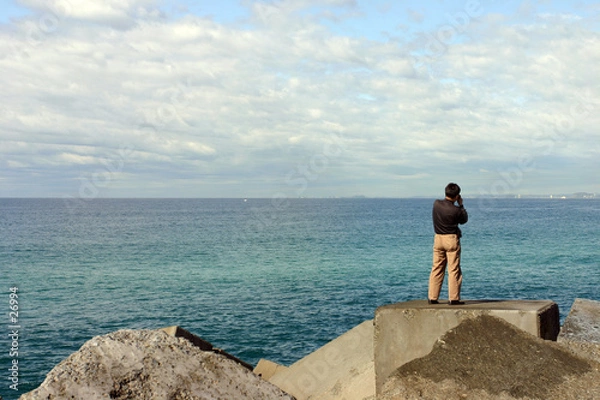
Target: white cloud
114	12
191	98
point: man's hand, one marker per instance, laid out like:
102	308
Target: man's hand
459	200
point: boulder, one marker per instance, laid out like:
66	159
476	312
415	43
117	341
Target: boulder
583	322
150	364
581	329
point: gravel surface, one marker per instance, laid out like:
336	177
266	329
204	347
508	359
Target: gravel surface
487	358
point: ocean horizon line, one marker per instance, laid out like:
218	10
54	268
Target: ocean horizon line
583	196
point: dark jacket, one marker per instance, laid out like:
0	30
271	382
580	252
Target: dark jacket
447	217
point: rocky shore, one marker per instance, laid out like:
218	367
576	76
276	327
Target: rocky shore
150	364
483	358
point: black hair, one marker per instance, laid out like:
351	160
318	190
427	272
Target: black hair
452	190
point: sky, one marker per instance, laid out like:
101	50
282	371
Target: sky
298	98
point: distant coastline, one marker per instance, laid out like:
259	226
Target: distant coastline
578	195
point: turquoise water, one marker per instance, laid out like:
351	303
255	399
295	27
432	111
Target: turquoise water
262	279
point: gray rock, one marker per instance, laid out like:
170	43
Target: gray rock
583	322
581	330
146	364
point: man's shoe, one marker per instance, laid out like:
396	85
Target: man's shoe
456	303
433	302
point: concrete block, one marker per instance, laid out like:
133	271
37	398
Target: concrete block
409	330
202	344
583	322
358	385
267	369
332	371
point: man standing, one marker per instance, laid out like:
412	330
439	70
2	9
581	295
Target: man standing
446	245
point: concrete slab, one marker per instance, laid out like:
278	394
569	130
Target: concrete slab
359	385
409	330
583	322
267	369
338	370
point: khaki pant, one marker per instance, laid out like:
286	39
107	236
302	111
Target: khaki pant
446	252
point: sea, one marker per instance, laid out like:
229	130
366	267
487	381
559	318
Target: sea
262	278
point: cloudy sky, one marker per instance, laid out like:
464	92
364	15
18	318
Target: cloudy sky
143	98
